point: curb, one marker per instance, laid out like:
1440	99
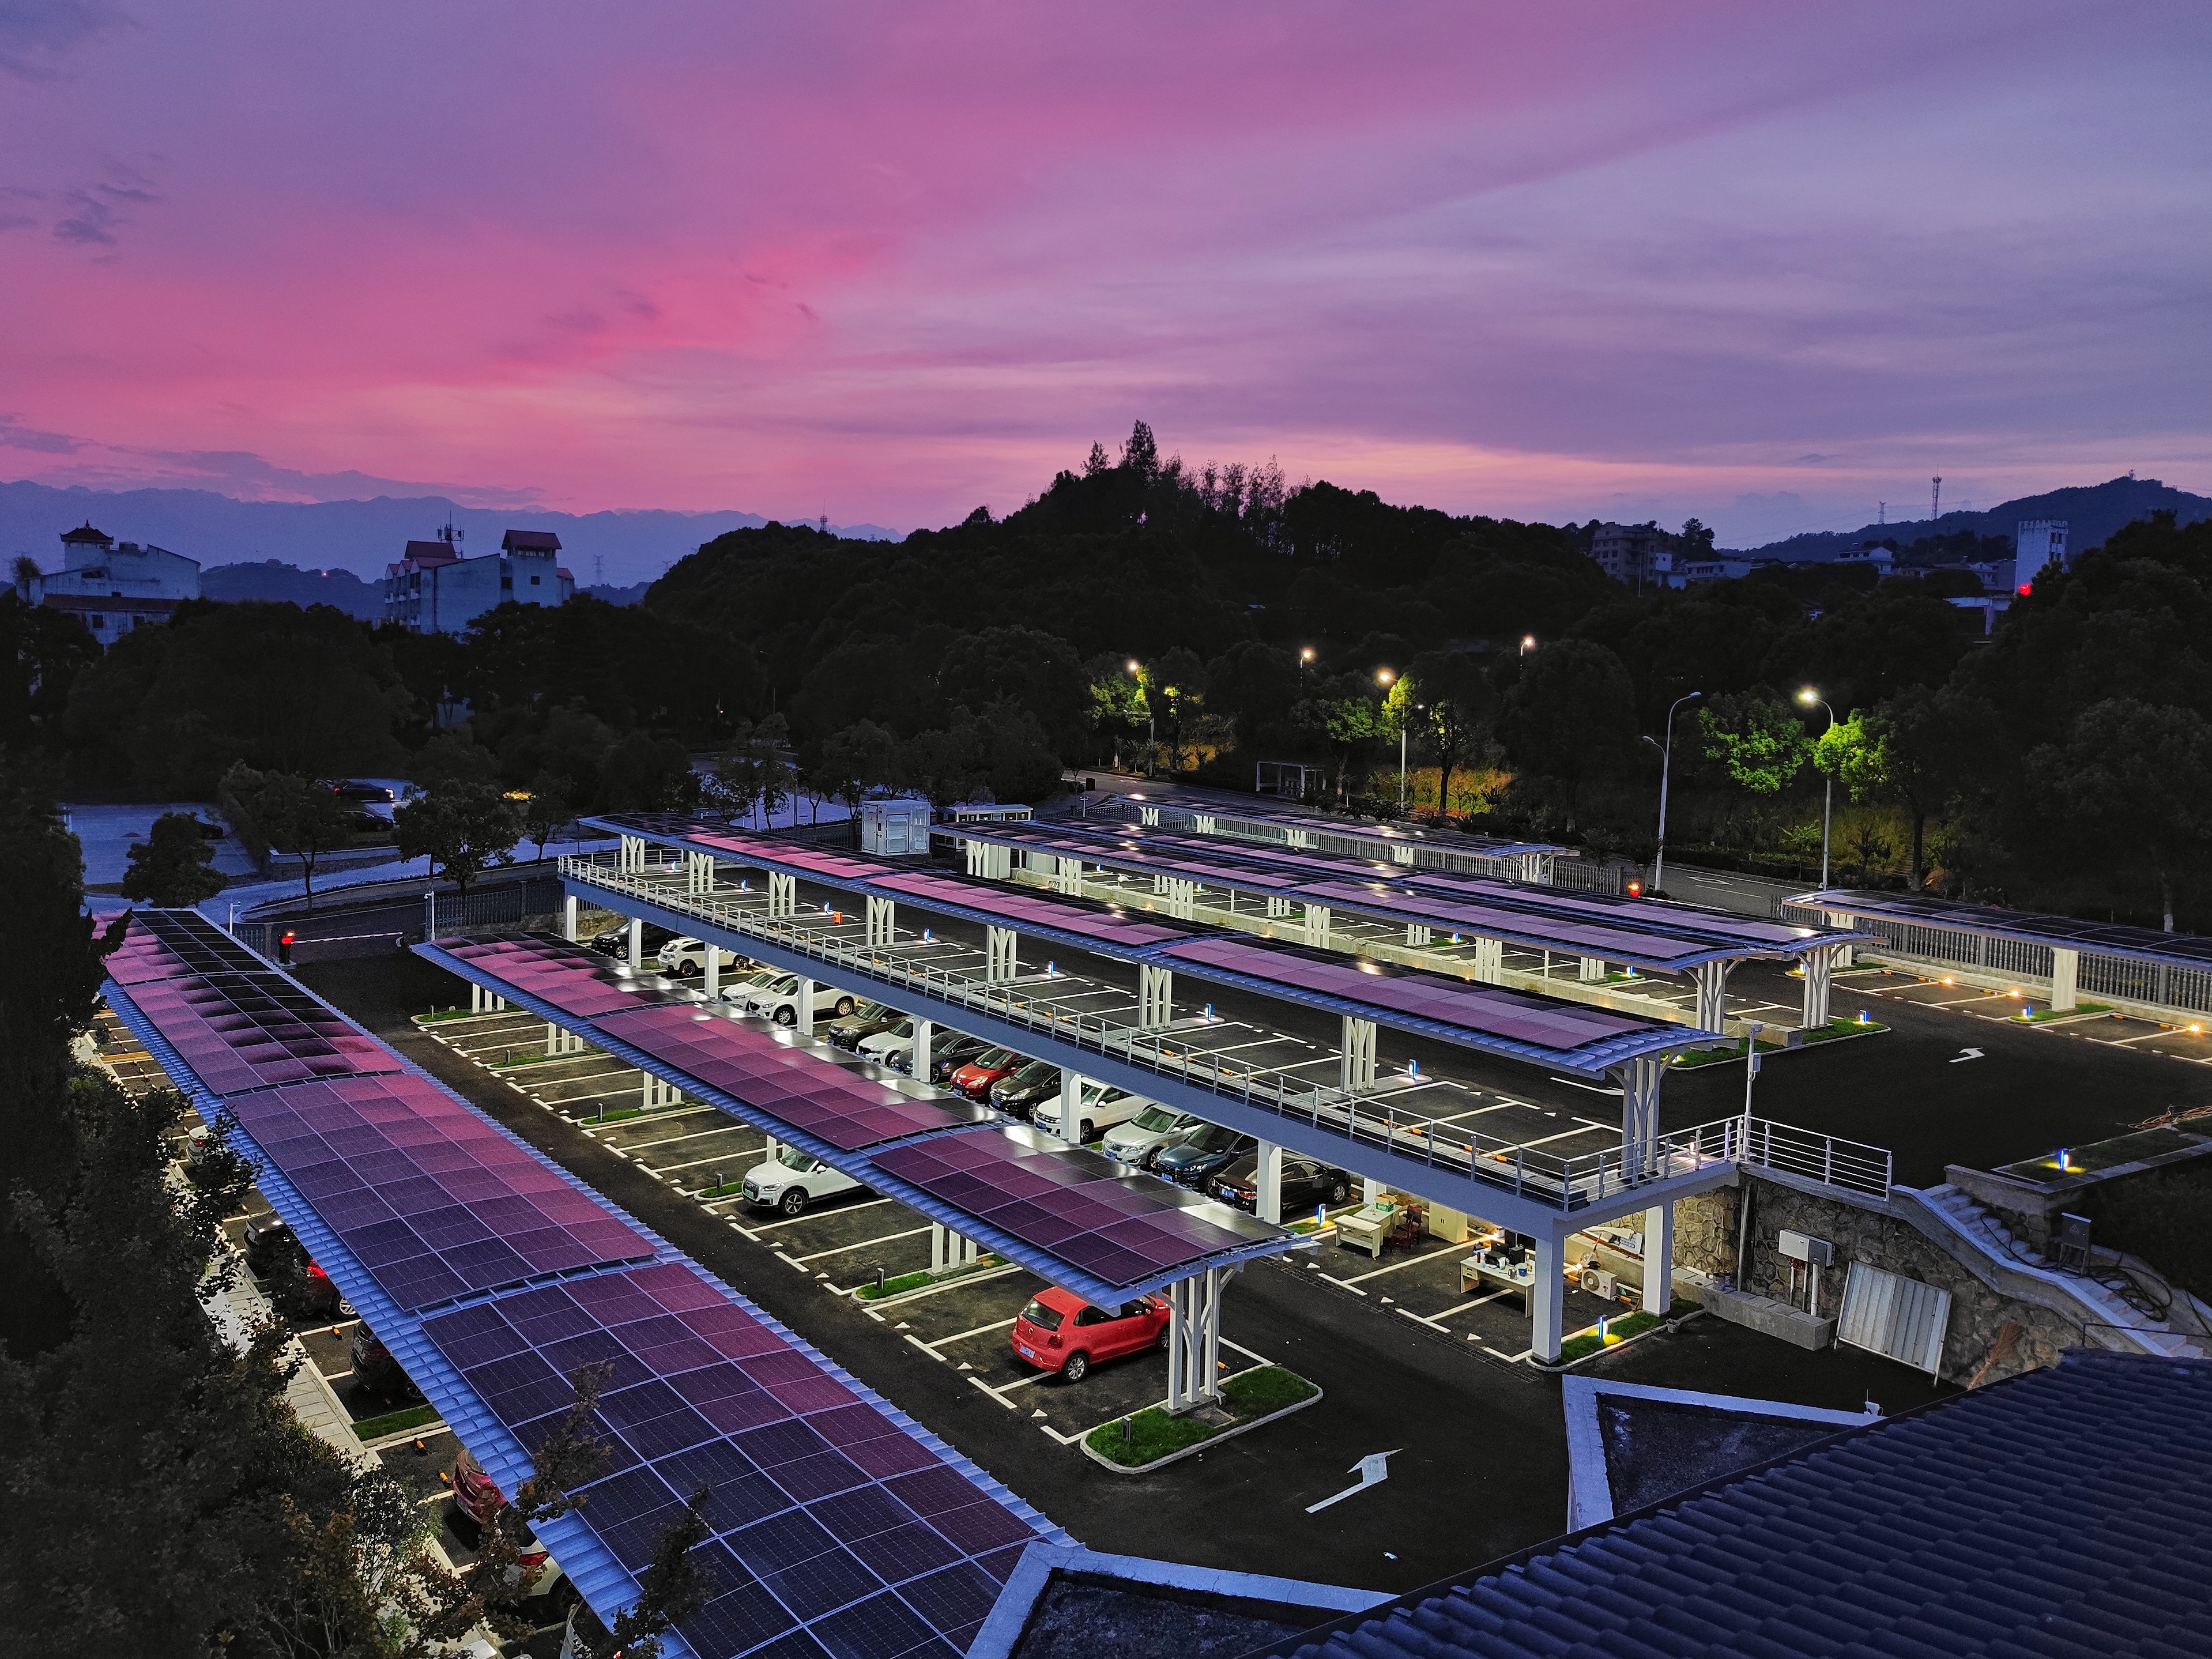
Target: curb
1197	1446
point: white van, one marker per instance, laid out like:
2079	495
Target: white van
1099	1106
778	1000
792	1180
1139	1140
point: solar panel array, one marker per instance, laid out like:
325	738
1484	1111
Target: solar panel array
1021	908
1489	1011
1086	1209
826	1515
253	1031
435	1200
769	1070
574	981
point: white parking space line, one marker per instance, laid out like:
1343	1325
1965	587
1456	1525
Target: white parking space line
887	1238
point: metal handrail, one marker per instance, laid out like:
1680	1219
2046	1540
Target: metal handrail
1571	1183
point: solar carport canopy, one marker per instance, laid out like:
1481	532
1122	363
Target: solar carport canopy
1078	1219
1661	938
838	1525
1142	939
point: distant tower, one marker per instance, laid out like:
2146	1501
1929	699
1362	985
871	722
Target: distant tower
1935	498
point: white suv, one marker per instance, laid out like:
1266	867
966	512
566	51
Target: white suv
1100	1106
778	1000
1139	1140
792	1180
686	958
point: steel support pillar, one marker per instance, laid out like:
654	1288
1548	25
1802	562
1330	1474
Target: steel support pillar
1820	982
1001	948
1155	997
1359	1069
805	1024
634	951
1318	924
883	919
1547	1299
1659	1258
569	918
1712	981
1268	1190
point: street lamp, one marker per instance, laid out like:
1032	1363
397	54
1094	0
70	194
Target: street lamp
1665	766
1809	697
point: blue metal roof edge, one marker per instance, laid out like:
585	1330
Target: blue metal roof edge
1615	1052
457	1404
860	1165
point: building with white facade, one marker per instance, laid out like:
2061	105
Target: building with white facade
433	590
114	586
2038	541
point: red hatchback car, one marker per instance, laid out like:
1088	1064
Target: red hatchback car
1065	1334
975	1078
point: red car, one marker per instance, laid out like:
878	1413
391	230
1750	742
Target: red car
975	1078
1065	1334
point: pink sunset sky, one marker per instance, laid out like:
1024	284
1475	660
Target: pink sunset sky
1765	264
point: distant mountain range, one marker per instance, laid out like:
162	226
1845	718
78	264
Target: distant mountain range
2092	513
360	538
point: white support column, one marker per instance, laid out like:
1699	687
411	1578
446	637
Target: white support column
1002	958
782	895
882	921
1592	970
635	951
924	1030
1155	997
1490	960
1418	936
569	918
1267	1192
1712	980
1820	981
1659	1258
2065	973
712	982
1359	1067
1547	1299
1318	924
806	1024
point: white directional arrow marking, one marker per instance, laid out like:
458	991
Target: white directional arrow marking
1372	1470
1965	1054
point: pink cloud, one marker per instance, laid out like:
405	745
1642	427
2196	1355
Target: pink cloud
899	260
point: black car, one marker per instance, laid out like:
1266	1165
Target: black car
615	942
1306	1183
950	1053
376	1370
1196	1161
1021	1092
864	1021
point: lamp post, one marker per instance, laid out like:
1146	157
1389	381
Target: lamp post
1809	697
1665	766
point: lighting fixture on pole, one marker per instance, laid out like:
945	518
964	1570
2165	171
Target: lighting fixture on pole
1665	766
1811	698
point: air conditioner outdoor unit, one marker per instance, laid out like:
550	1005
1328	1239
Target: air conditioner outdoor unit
1799	1247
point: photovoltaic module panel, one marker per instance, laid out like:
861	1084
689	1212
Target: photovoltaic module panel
1514	1015
772	1071
825	1514
240	1032
573	981
428	1194
1083	1208
1021	909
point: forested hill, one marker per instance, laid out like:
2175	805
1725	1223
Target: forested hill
2092	513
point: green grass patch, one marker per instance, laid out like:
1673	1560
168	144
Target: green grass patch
1152	1434
375	1428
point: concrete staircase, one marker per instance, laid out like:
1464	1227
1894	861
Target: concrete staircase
1985	1237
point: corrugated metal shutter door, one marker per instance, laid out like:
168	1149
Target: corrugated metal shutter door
1893	1315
